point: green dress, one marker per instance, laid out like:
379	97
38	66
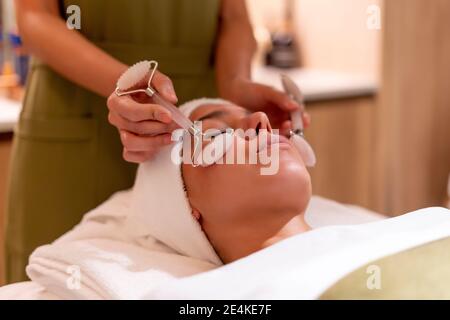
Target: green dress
67	158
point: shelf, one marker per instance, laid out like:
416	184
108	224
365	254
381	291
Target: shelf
319	85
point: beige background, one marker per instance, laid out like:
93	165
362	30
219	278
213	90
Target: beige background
333	33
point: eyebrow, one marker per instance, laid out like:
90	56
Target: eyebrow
214	114
218	114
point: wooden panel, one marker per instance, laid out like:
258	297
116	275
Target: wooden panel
342	136
5	150
413	149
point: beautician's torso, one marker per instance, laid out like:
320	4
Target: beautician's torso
67	159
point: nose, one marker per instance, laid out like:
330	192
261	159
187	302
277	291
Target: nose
258	121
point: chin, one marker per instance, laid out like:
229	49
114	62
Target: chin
292	164
291	186
297	186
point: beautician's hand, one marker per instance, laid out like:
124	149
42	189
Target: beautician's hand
144	127
276	104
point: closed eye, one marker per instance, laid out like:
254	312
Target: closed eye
212	133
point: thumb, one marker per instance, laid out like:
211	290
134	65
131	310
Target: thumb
282	100
164	86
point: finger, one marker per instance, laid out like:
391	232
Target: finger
282	100
151	128
286	128
164	86
161	83
137	157
307	120
136	143
134	111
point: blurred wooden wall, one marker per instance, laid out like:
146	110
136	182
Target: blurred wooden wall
413	118
5	151
342	134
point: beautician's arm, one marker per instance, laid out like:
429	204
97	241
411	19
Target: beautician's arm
236	46
47	37
235	49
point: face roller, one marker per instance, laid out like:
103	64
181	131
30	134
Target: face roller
128	84
297	133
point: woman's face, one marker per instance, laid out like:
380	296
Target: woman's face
238	193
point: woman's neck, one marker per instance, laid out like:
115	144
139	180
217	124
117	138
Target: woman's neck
295	226
238	240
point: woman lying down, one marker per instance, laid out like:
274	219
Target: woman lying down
227	231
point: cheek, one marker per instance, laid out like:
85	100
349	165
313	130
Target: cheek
226	189
235	188
223	183
220	187
208	187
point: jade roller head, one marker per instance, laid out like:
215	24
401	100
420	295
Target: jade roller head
137	75
297	133
141	74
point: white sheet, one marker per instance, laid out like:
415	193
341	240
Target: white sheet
305	266
301	267
101	231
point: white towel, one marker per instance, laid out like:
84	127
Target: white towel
107	269
99	260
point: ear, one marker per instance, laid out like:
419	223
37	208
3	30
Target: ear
196	214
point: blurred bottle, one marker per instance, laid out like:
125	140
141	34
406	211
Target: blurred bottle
13	58
21	58
284	51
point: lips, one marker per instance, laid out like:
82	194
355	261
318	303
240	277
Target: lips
283	139
267	140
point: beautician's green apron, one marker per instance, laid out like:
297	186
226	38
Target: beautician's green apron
67	158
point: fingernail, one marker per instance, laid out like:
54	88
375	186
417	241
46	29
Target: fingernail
174	97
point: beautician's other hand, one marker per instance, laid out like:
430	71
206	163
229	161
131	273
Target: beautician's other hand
276	104
144	127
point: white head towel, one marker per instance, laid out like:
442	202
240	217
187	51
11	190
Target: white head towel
159	205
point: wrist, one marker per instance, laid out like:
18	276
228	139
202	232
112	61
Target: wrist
232	88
